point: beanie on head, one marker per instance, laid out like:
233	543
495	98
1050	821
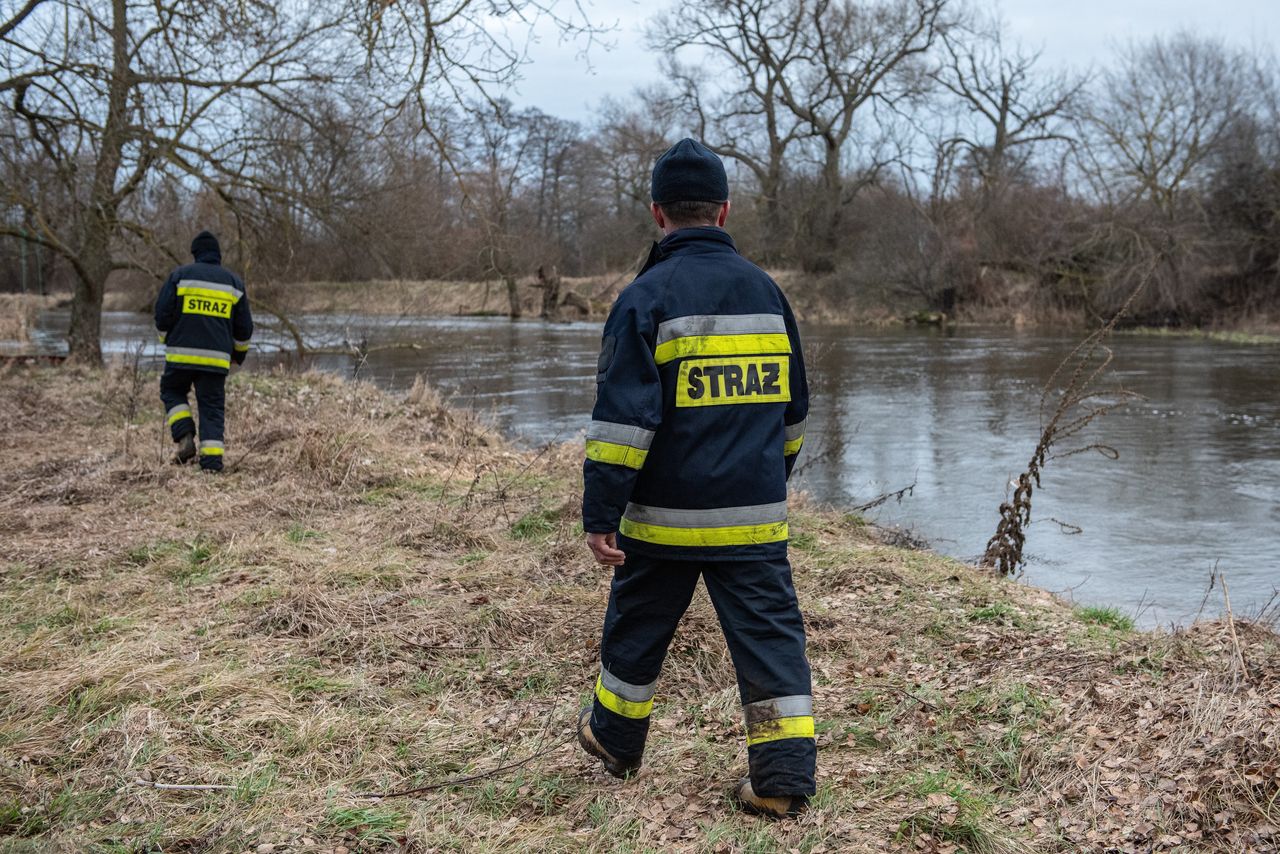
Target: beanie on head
689	172
204	244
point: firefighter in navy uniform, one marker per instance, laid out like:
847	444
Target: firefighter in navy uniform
203	317
700	408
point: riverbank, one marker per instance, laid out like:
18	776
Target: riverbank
381	593
819	299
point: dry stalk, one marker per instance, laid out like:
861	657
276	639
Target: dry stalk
1078	404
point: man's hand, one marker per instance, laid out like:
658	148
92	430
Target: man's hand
605	549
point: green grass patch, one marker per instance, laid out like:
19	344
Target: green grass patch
300	534
1110	617
534	526
373	825
999	613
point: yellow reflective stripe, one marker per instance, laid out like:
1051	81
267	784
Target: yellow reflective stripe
211	452
619	706
618	455
162	336
242	348
732	535
792	446
186	359
721	345
178	416
210	293
780	728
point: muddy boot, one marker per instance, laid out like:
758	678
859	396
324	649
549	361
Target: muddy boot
749	802
586	738
186	451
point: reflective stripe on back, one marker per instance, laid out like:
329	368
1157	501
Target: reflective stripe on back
209	289
727	526
720	335
197	356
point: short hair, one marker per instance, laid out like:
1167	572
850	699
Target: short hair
687	214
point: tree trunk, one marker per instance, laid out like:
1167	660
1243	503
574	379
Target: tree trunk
84	338
513	297
550	284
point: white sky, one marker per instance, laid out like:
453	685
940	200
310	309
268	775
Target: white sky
1080	34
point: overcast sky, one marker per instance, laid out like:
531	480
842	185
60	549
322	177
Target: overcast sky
1079	33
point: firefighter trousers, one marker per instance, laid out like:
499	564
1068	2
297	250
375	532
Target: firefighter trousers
756	604
175	383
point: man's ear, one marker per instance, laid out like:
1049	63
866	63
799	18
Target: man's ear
724	214
657	216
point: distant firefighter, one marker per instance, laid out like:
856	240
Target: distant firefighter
205	324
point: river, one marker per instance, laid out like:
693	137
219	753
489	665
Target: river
1196	485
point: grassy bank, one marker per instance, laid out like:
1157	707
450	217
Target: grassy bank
379	593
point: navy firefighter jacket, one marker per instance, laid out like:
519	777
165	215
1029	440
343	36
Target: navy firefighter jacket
700	407
203	316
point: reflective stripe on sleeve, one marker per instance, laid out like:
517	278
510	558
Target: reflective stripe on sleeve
619	444
725	526
720	335
196	356
623	698
213	290
162	336
242	346
793	438
779	718
179	412
211	448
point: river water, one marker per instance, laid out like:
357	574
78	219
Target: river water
955	413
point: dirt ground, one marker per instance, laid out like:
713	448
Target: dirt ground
380	594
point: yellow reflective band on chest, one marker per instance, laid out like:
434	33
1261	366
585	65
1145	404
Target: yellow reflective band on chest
780	728
721	345
731	535
745	379
618	455
619	706
219	306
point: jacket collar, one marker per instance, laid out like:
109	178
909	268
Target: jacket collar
698	239
209	257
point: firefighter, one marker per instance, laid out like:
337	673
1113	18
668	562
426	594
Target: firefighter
700	410
204	321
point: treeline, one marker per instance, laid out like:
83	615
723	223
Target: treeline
899	153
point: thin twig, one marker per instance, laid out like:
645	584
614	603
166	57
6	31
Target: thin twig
1231	624
183	787
470	778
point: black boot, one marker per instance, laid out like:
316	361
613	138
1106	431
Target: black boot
586	738
186	450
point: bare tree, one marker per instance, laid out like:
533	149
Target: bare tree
808	69
120	97
1013	107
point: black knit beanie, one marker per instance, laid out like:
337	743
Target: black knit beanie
689	172
204	244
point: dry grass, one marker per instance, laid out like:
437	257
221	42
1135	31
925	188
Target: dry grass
380	593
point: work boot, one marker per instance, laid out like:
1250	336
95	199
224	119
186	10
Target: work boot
186	450
748	801
586	738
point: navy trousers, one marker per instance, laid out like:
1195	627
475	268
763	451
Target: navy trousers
756	604
211	401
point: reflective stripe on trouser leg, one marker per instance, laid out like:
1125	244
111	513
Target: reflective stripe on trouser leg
756	604
174	384
211	399
646	600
